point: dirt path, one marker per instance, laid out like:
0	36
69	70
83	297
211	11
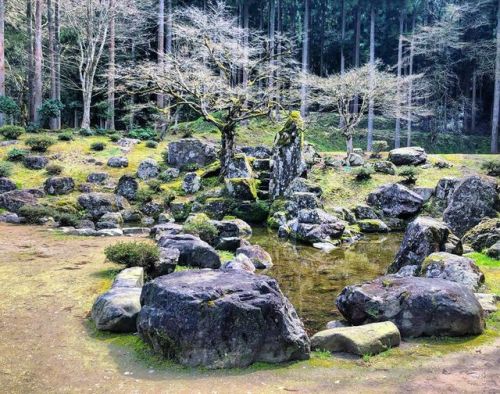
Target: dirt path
48	283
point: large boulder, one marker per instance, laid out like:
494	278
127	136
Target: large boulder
118	162
484	235
408	156
242	188
354	160
220	319
110	220
190	153
165	265
193	251
458	269
257	255
97	177
424	236
148	168
127	187
417	306
384	167
259	152
15	199
368	339
494	251
395	200
472	200
240	262
288	161
58	185
117	309
6	185
232	228
312	233
372	226
239	167
35	162
130	277
98	204
191	183
302	185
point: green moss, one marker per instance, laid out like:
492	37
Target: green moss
252	211
242	188
225	256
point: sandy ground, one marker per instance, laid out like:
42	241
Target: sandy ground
48	283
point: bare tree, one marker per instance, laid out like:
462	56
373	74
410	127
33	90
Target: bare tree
110	119
2	55
38	58
397	132
496	101
371	104
199	74
338	92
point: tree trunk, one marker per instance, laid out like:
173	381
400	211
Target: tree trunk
168	41
410	86
350	147
110	119
397	133
2	55
342	39
272	32
322	71
474	102
75	118
37	78
305	57
227	148
371	104
356	50
29	18
87	101
132	95
161	45
496	101
57	49
53	122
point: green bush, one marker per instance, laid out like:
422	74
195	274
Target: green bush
115	137
492	167
144	195
54	169
98	146
154	185
201	226
40	144
143	134
5	169
34	213
86	132
101	132
67	219
10	132
133	254
32	128
16	154
151	144
363	173
409	173
65	136
50	109
8	106
169	196
378	147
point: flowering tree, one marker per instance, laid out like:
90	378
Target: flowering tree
220	71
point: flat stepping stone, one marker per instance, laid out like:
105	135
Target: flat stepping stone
368	339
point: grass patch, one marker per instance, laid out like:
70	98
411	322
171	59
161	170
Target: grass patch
491	270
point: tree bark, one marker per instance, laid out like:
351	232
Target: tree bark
371	104
57	49
342	39
53	122
496	100
29	18
2	55
356	50
110	119
474	101
227	148
305	57
37	77
410	86
322	71
272	33
397	133
160	99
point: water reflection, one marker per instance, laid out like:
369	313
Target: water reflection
311	279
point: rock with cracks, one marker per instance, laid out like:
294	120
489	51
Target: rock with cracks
220	319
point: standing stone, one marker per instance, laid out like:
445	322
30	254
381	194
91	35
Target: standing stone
148	169
127	187
288	162
473	199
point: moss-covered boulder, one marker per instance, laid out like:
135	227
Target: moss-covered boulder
372	226
242	188
180	209
484	235
251	211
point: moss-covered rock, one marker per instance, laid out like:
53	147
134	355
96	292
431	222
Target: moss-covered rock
372	226
251	211
242	188
484	235
180	209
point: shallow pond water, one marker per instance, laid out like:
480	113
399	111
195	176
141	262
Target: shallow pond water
312	279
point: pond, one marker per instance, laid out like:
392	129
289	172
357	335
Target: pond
312	279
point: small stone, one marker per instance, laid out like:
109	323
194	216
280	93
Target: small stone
118	162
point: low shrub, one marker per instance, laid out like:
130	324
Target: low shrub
33	128
34	213
67	219
66	136
409	173
378	147
154	185
16	154
97	146
363	173
169	196
201	226
151	144
143	134
54	169
132	254
11	132
101	132
115	137
86	132
40	144
492	167
144	195
5	169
